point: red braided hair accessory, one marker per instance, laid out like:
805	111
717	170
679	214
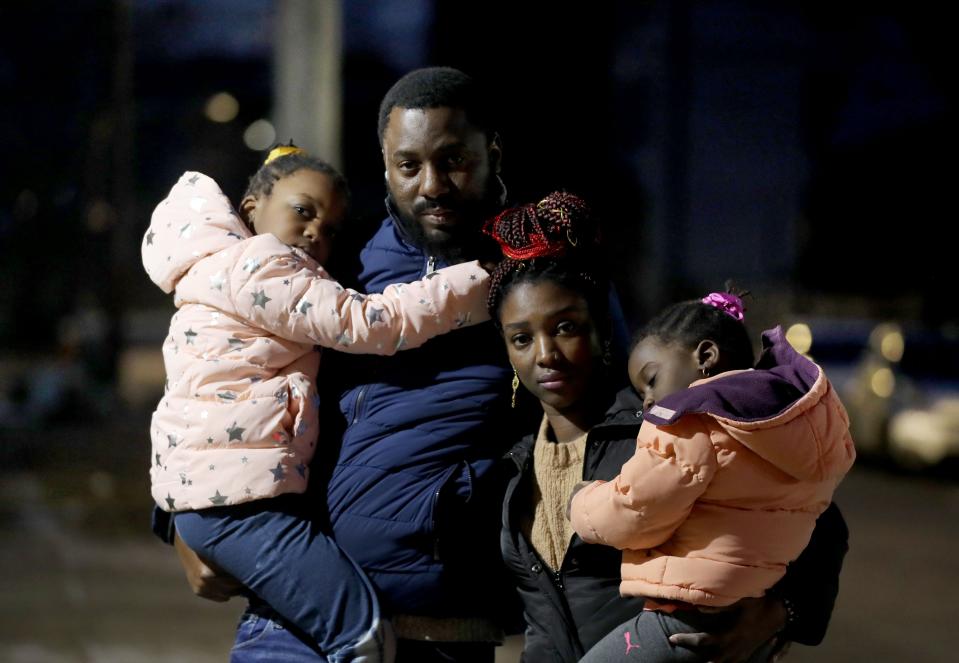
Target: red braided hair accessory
548	228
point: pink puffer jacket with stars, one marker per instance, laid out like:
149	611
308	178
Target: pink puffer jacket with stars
238	420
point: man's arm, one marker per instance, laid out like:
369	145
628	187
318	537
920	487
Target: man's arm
811	584
205	579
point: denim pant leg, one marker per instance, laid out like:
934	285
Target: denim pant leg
645	638
263	637
288	561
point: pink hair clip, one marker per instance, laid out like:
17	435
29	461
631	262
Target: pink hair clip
726	302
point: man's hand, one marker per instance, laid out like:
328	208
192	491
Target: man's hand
206	580
758	620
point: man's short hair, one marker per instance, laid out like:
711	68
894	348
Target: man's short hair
437	87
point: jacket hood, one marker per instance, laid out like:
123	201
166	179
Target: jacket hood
195	220
785	410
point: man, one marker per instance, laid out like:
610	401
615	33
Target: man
414	497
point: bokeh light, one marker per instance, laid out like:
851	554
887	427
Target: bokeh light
222	107
260	135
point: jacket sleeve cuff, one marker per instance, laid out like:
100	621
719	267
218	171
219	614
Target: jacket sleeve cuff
162	525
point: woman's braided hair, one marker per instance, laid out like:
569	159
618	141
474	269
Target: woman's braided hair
555	239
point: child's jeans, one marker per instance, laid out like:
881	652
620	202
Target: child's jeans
288	562
645	638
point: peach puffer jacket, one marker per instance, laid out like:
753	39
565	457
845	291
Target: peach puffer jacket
238	420
728	479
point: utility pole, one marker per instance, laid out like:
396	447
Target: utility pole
308	52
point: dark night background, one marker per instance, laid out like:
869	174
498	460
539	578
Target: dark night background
800	148
795	147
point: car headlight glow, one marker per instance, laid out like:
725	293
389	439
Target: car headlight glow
882	382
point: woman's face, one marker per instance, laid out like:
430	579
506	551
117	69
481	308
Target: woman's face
552	342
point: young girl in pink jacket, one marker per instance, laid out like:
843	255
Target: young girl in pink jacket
237	426
733	465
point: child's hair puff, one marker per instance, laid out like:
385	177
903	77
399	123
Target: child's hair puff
275	169
690	322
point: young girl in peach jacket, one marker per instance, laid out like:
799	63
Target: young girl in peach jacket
237	427
733	466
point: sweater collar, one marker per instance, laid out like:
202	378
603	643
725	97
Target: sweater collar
625	409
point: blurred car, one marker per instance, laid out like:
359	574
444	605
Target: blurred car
899	383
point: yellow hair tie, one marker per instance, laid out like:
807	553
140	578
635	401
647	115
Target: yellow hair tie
282	151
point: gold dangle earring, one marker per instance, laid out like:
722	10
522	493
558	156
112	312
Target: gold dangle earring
515	387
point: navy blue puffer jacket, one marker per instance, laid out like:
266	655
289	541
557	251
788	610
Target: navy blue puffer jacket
415	495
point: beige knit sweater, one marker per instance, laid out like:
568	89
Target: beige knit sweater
557	468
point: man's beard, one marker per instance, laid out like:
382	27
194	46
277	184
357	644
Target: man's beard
450	247
462	243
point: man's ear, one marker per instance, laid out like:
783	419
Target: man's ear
496	153
247	209
707	356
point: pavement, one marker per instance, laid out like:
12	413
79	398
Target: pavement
82	580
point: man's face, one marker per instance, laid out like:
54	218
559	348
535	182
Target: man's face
438	171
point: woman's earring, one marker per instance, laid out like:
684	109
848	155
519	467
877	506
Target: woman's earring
607	354
515	387
503	194
705	372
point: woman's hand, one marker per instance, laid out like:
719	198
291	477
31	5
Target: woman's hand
206	579
757	622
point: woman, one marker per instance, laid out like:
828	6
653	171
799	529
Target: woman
550	300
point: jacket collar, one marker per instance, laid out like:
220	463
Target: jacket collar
402	231
625	409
